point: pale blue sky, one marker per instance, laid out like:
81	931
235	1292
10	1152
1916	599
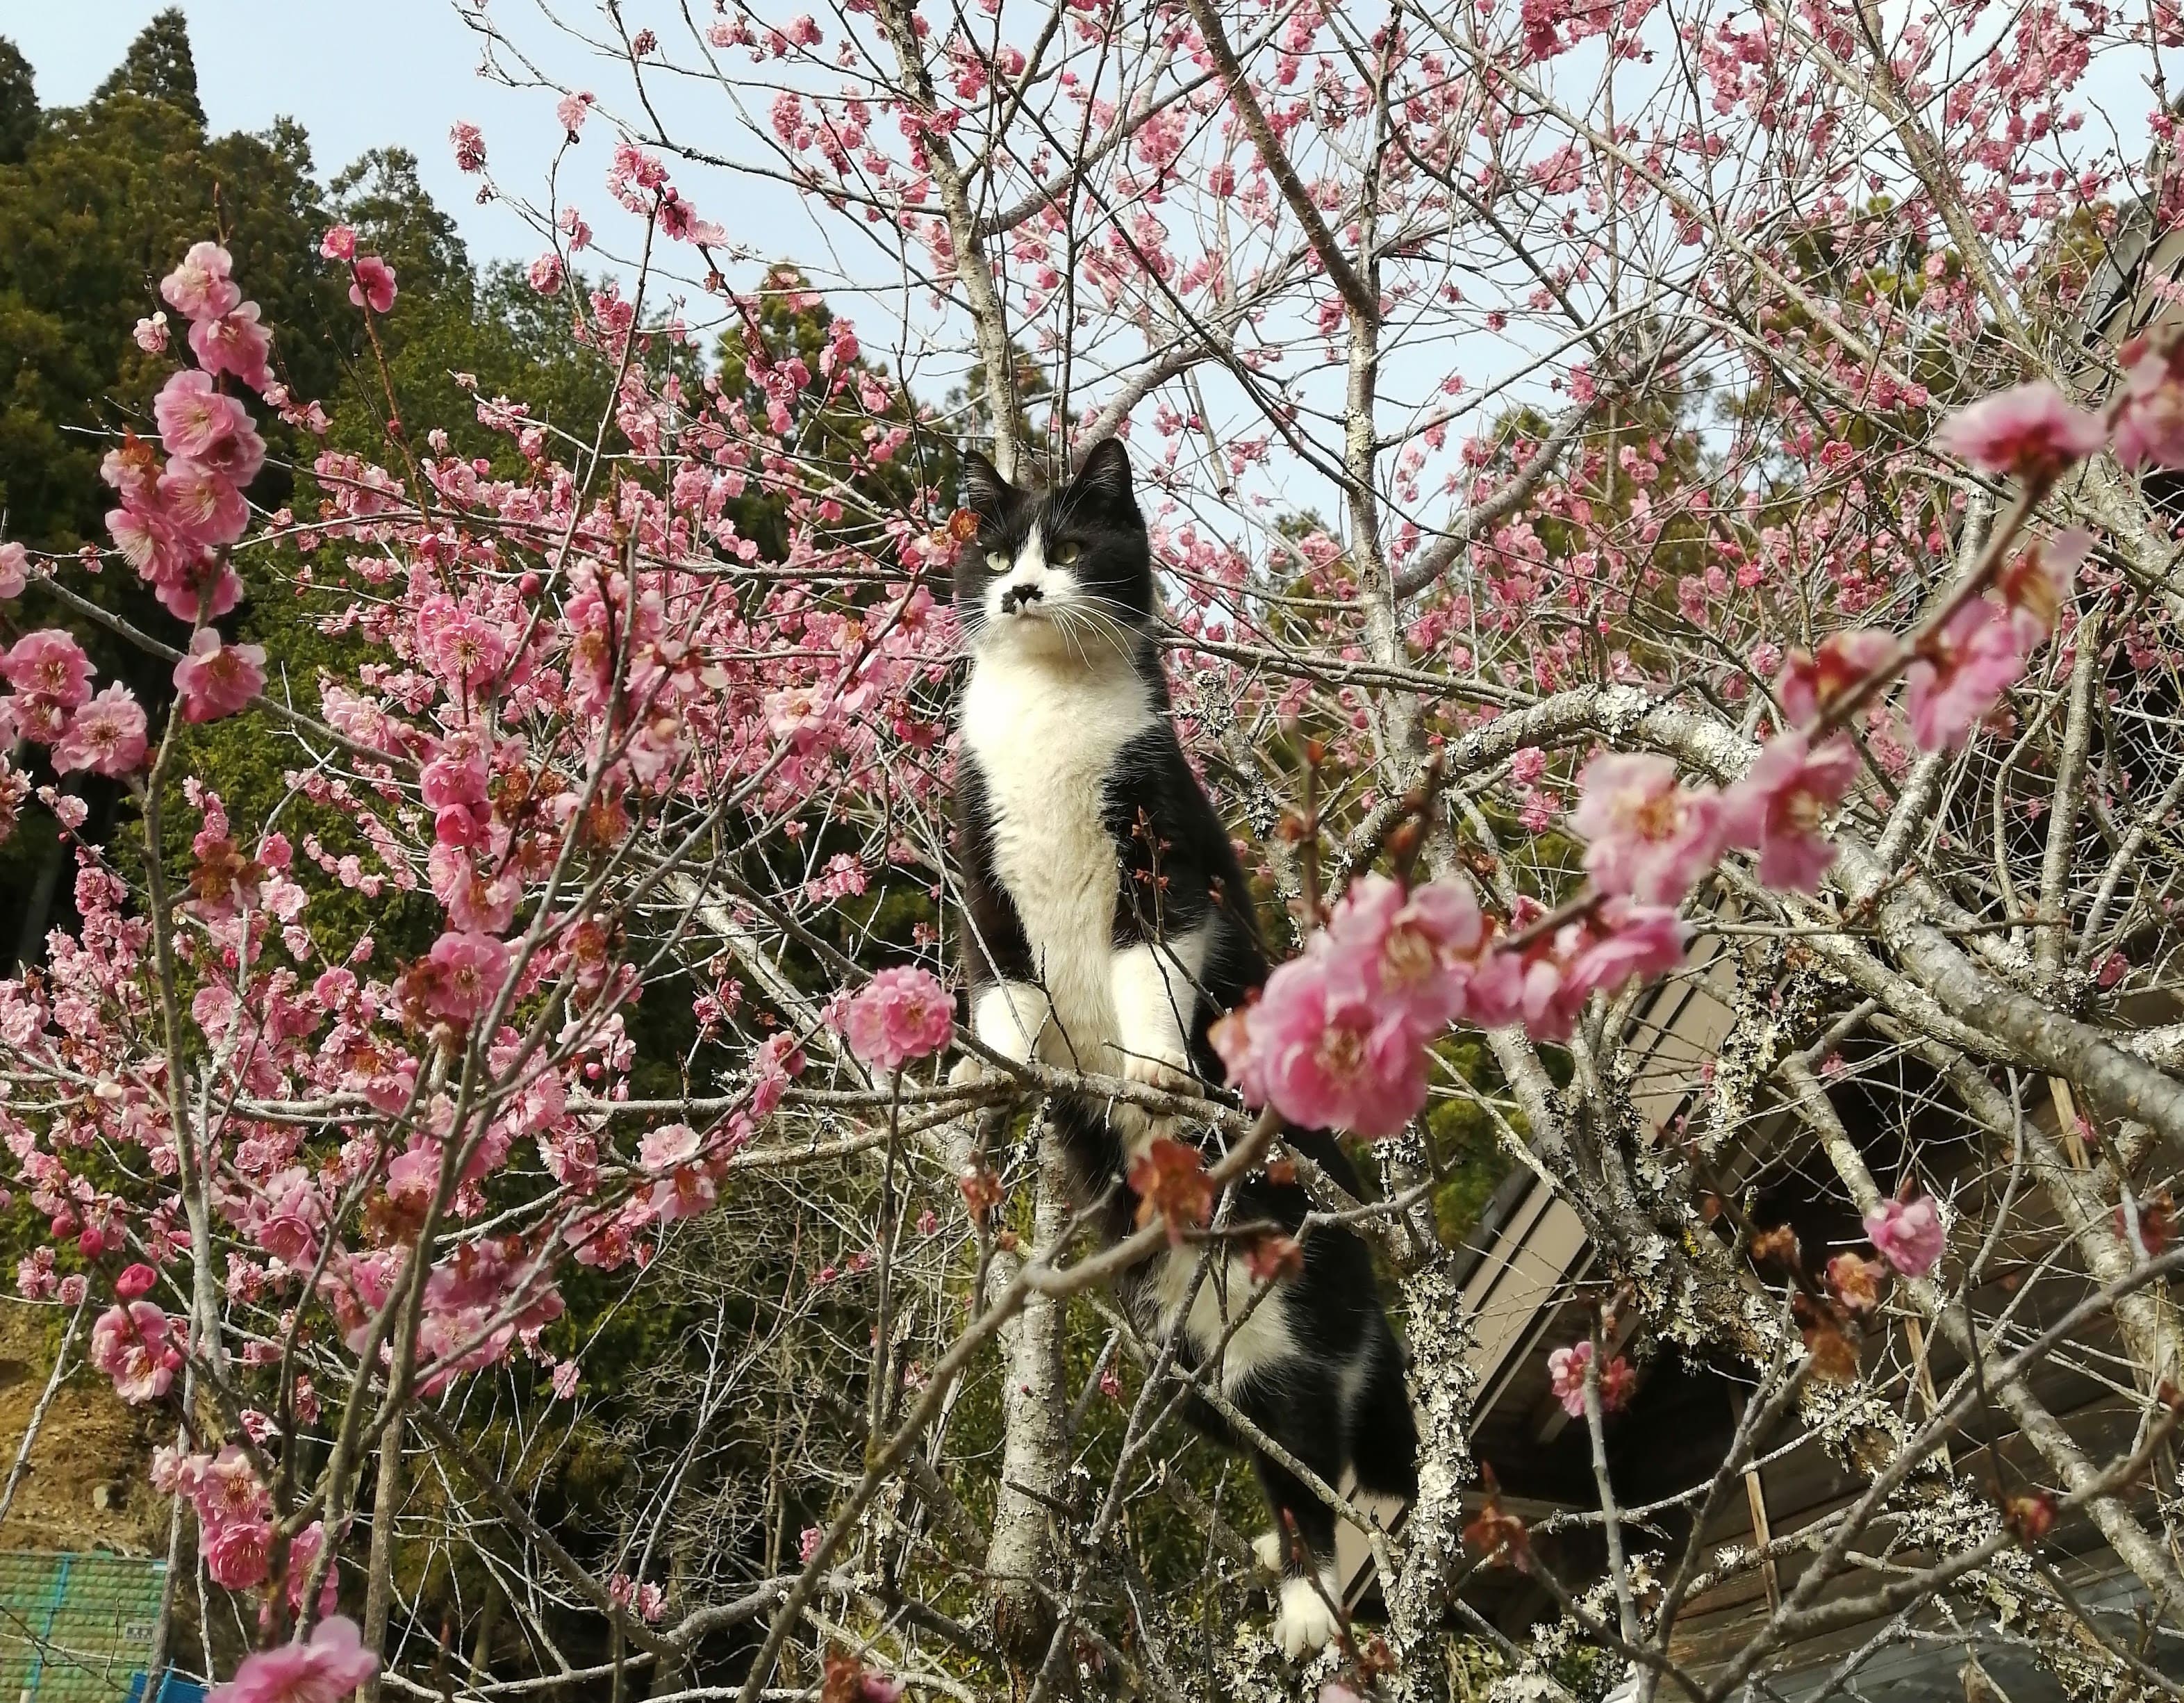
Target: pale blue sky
357	74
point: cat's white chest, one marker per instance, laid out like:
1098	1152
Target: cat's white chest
1045	737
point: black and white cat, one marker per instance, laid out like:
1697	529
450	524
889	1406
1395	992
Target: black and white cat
1108	925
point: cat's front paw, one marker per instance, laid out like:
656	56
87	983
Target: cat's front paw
1306	1620
1141	1126
1268	1550
1170	1076
967	1072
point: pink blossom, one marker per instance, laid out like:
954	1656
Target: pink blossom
1776	809
900	1015
566	1377
200	288
1624	940
131	1344
49	664
151	334
192	416
374	284
1412	949
571	110
808	1542
234	342
239	1554
1810	684
1566	1371
1961	673
203	506
333	1664
1907	1234
667	1146
136	1280
1326	1064
2036	584
303	1555
469	969
1651	839
14	570
457	774
2151	425
339	243
2031	430
470	148
546	274
217	680
106	736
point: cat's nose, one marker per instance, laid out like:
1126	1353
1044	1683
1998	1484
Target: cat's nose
1017	595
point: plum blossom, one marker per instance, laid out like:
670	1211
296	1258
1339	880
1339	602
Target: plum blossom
546	274
14	570
1621	942
1651	838
239	1554
200	288
236	343
1776	809
1566	1371
325	1670
1811	682
107	736
1323	1060
2036	584
339	243
151	334
2150	428
49	664
1961	672
2031	430
469	144
132	1344
201	505
469	969
1907	1234
900	1015
217	680
1413	949
374	284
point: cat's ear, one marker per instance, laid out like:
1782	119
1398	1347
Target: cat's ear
985	493
1104	481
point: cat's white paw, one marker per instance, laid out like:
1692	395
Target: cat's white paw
1267	1550
1306	1622
1141	1126
967	1072
1169	1075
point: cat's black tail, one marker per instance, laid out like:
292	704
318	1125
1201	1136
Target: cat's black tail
1384	1435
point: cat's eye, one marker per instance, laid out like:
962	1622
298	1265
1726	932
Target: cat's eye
996	562
1064	555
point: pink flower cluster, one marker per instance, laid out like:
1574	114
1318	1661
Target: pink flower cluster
177	518
325	1670
235	1518
52	704
135	1344
1566	1371
2032	431
1907	1234
215	679
899	1015
1340	1037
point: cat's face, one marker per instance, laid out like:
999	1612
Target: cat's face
1066	574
